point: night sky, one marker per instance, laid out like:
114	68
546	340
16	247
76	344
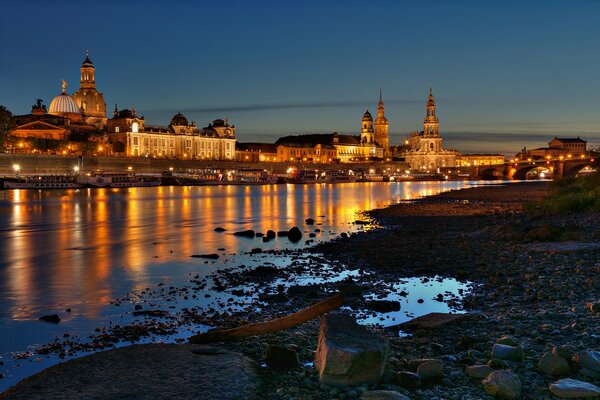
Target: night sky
505	74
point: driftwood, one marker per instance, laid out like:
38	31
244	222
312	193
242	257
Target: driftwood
279	324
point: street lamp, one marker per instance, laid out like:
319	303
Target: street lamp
16	168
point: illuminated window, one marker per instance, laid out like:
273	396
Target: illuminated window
134	127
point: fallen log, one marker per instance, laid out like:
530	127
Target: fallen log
279	324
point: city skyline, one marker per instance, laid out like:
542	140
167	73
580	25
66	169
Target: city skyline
501	80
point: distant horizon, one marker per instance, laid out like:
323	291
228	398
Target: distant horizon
504	77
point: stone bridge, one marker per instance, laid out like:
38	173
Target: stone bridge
561	168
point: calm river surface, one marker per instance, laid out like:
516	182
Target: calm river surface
78	249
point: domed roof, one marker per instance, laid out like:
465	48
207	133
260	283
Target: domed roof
179	119
367	116
63	103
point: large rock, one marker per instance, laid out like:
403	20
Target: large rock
506	352
479	371
280	358
347	353
294	234
554	365
249	233
147	371
431	371
588	360
409	380
384	306
383	395
574	389
503	385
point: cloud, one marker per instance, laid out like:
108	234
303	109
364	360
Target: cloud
284	106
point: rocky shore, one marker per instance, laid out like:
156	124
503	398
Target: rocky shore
532	311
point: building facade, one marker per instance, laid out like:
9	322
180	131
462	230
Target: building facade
424	150
382	127
88	99
255	152
180	140
557	147
473	160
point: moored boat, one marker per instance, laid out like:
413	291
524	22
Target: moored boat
42	181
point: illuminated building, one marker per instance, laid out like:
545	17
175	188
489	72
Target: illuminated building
557	147
382	128
89	100
63	120
424	149
255	152
473	160
180	140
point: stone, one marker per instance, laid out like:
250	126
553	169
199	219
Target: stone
348	353
508	340
588	373
553	365
280	358
506	352
249	233
479	371
409	380
588	359
211	256
309	221
431	371
503	385
413	364
573	389
433	320
294	234
270	234
566	351
145	371
220	229
383	395
282	233
384	306
53	318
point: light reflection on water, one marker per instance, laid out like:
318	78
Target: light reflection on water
79	249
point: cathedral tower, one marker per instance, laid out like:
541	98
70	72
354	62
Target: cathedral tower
431	123
382	127
367	134
88	98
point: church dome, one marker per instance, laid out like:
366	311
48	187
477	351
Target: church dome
63	103
367	116
179	120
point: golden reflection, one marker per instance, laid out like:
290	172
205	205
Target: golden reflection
80	248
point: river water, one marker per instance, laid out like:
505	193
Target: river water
78	249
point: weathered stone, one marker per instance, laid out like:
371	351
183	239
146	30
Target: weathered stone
270	234
588	359
384	306
347	353
280	358
383	395
294	234
409	380
433	320
554	365
479	371
508	340
249	233
566	351
573	389
503	385
147	371
431	371
506	352
415	362
53	318
309	221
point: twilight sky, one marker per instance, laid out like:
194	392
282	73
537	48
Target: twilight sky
505	74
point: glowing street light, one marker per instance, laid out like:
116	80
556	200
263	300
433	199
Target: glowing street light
16	168
76	168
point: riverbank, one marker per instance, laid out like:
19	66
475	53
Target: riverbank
532	278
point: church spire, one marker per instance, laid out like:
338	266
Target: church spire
431	122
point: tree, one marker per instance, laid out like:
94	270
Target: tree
118	147
7	124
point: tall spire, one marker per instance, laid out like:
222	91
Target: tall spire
380	97
430	99
64	86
